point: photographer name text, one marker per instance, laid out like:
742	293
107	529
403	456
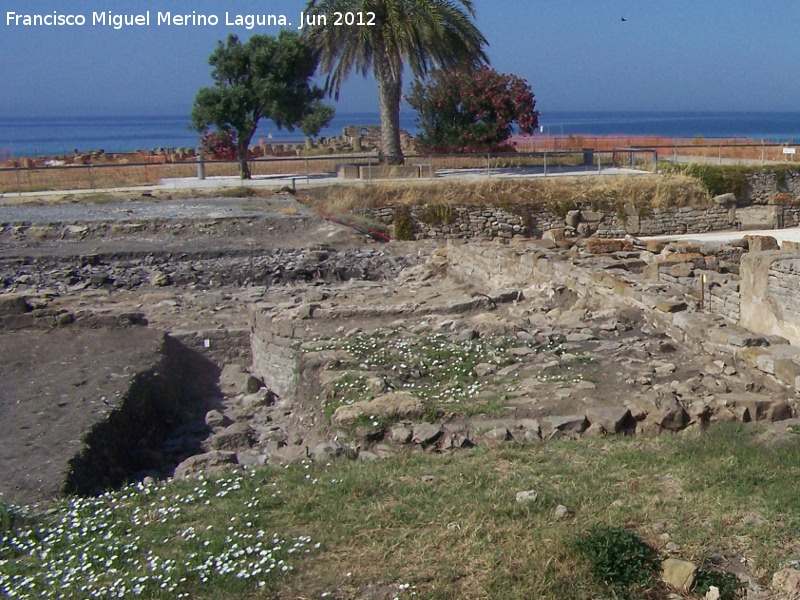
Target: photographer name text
169	19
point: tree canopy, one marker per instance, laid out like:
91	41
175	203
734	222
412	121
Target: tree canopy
472	110
263	78
422	34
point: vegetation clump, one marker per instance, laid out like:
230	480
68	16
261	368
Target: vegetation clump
264	78
557	194
620	559
455	118
403	224
728	584
390	35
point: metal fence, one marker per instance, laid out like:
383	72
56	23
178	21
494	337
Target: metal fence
724	151
317	168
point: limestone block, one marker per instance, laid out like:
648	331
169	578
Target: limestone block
426	433
670	305
566	424
613	419
679	574
591	216
725	200
598	246
402	405
211	462
761	243
235	379
234	437
779	411
787	581
790	246
13	304
787	370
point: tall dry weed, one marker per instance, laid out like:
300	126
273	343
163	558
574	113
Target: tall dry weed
610	193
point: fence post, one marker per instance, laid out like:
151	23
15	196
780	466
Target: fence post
307	180
763	161
545	163
430	166
488	165
201	168
655	161
720	154
19	186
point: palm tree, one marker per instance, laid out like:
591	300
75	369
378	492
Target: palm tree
423	34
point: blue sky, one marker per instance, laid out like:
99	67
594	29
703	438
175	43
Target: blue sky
704	55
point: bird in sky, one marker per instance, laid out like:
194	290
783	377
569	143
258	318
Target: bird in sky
623	19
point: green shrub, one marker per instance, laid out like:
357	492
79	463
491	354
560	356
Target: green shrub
436	214
620	559
718	180
728	584
403	224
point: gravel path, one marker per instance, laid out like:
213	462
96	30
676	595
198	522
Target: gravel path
136	210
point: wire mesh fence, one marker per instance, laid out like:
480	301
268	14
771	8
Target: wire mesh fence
368	166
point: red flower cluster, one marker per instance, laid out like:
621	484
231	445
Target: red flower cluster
219	145
472	111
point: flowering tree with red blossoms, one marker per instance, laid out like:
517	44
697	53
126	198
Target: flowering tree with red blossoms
472	111
219	145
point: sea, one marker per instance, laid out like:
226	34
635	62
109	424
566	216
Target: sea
56	135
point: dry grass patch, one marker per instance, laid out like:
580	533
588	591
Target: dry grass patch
609	193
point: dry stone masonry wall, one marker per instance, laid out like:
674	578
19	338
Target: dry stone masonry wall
783	288
493	223
771	201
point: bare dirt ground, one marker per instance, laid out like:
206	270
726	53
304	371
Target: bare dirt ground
69	352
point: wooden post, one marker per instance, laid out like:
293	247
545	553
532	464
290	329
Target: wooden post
703	291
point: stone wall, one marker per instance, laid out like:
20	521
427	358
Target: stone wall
687	219
489	222
771	202
272	344
755	341
722	295
465	222
770	302
764	185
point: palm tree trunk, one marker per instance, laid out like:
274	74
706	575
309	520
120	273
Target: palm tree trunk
390	91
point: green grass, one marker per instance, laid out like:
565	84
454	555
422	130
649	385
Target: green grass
427	526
